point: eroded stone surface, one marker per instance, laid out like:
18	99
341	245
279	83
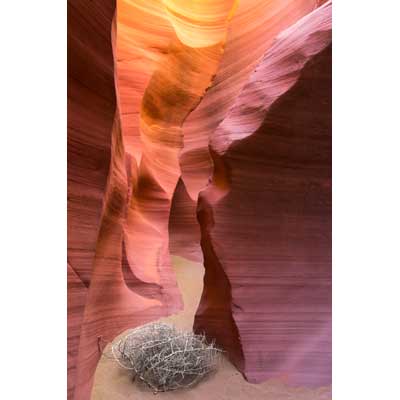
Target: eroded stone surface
217	113
266	215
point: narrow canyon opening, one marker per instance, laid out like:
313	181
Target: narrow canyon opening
109	377
161	92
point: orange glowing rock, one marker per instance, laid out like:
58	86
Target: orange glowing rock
200	23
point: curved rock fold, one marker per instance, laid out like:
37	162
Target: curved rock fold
201	129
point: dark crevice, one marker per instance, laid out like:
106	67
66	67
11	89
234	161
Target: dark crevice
214	315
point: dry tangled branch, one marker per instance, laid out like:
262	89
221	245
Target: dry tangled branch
166	358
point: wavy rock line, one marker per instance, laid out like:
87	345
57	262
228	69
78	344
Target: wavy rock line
251	32
135	192
138	161
173	92
269	203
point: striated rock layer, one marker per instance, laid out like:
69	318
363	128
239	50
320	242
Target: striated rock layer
201	122
266	215
106	295
123	165
251	32
91	110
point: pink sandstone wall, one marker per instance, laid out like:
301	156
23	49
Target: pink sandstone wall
214	133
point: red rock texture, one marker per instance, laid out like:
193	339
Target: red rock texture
201	122
91	110
266	215
106	295
250	33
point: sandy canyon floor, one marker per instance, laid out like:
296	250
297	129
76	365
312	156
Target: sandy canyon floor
115	383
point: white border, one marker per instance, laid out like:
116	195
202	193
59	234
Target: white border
366	200
33	199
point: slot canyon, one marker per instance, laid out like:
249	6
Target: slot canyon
199	187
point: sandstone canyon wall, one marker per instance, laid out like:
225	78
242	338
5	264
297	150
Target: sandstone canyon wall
91	110
201	123
266	215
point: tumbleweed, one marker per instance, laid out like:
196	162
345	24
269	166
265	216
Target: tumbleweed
166	358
